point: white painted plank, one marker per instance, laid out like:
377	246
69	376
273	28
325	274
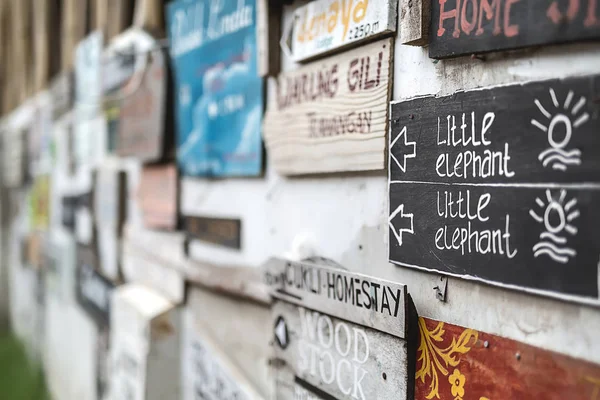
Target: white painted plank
332	115
323	26
364	300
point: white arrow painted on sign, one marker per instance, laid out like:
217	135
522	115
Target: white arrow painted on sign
398	232
281	333
405	155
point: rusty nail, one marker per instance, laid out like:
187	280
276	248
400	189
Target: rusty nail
412	116
518	356
486	344
478	57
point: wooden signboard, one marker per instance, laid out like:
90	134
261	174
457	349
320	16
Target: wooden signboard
331	115
93	290
500	185
207	372
68	210
341	335
84	219
144	338
39	203
110	214
323	26
15	157
477	26
141	267
226	232
158	196
61	90
461	363
142	128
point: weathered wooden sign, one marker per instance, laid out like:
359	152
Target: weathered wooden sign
143	324
500	185
222	231
68	210
341	335
323	26
61	90
84	219
158	196
39	203
15	157
455	361
206	371
477	26
331	115
142	129
93	290
110	214
333	358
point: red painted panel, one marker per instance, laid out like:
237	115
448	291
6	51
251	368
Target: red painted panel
458	363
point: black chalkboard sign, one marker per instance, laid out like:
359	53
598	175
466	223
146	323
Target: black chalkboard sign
461	27
93	291
500	185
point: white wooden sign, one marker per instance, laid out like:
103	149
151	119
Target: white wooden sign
14	157
332	115
361	299
323	26
207	373
142	267
144	337
109	212
326	357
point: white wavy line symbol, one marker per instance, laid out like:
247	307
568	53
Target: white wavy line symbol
557	217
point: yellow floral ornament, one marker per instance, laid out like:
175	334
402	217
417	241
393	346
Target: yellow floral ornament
457	380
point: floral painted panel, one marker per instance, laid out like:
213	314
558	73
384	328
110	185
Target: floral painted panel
456	363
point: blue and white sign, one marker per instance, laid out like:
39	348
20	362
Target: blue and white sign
219	92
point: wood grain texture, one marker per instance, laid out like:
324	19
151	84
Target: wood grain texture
339	358
73	29
414	18
461	363
332	115
238	281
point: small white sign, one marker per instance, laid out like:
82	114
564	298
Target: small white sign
325	25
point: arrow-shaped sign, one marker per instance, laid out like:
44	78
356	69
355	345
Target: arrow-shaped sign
281	333
400	222
397	149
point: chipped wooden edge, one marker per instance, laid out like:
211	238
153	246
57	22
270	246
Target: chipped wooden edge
413	22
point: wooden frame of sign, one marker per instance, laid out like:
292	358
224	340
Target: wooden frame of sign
500	185
146	130
340	334
325	26
158	196
331	115
480	26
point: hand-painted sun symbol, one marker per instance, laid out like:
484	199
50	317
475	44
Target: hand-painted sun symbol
557	218
560	131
